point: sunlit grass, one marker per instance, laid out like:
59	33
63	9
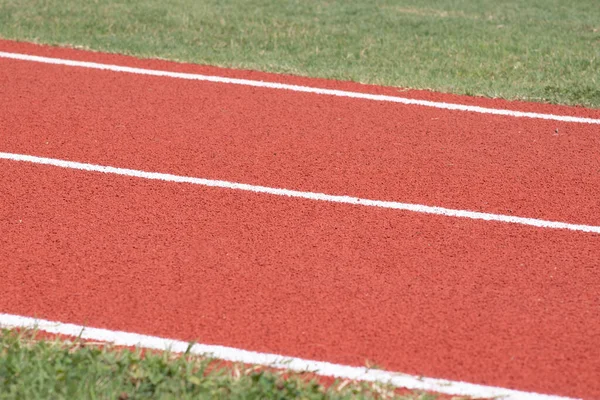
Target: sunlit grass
540	50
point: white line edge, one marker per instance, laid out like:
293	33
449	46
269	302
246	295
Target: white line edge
321	368
297	88
419	208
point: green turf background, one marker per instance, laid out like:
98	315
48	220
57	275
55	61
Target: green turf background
541	50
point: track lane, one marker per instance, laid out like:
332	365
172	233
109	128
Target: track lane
157	64
483	302
412	154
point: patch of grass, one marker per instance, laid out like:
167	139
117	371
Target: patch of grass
540	50
36	368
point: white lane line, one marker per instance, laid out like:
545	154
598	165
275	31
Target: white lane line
419	208
297	88
120	338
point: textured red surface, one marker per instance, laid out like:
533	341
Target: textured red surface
484	302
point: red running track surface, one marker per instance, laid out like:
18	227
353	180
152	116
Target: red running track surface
491	303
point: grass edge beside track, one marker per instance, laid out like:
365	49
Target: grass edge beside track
38	365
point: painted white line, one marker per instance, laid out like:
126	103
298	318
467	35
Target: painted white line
396	379
297	88
419	208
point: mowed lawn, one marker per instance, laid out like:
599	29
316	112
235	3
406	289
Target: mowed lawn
537	50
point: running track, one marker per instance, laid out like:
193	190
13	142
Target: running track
489	302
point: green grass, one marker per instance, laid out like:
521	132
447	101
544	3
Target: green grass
540	50
37	368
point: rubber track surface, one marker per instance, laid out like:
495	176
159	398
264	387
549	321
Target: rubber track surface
490	303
